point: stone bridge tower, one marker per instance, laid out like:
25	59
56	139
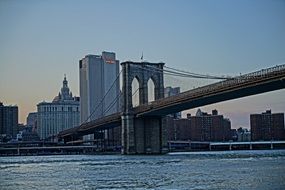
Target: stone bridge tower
142	135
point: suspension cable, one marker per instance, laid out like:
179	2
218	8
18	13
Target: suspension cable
98	105
112	103
173	73
196	73
189	74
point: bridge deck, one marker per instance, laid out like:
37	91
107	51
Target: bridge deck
261	81
245	85
92	126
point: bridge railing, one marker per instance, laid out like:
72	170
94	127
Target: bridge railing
264	73
112	118
241	80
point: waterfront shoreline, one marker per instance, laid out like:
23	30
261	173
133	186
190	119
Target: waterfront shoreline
106	153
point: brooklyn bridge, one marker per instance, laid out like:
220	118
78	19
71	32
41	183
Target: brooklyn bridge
143	125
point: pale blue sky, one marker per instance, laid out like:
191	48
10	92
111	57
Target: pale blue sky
42	40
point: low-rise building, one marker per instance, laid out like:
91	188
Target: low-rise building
202	127
27	135
243	135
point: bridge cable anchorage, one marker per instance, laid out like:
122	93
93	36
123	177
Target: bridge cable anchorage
100	103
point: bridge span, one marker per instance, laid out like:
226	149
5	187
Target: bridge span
254	83
262	81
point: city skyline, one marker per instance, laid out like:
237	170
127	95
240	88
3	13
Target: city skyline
229	38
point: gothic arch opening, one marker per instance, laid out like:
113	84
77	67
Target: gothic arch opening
150	90
135	92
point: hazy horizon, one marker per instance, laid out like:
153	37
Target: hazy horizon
43	40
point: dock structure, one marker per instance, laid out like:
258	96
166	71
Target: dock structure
216	146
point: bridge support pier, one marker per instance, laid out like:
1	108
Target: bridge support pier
143	135
146	134
128	136
71	138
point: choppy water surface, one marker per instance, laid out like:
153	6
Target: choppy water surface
199	170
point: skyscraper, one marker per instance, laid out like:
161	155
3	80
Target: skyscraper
98	77
60	114
98	73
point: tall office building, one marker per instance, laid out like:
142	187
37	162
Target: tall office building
98	76
170	91
60	114
8	120
32	121
267	126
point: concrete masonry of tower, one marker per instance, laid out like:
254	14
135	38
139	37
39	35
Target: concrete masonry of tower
60	114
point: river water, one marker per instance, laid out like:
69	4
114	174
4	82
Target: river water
196	170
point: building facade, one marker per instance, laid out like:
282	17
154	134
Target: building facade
60	114
8	120
32	121
267	126
202	127
210	127
98	75
170	91
243	135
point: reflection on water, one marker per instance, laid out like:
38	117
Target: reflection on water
196	170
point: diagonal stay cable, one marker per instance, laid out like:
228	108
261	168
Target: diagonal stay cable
95	109
112	103
115	101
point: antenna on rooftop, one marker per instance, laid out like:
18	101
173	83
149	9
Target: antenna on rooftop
142	56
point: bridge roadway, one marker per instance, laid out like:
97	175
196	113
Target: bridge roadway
254	83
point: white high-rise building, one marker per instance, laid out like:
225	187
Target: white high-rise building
98	77
60	114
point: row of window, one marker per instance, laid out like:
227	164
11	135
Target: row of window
51	109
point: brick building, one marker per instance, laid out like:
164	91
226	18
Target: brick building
202	127
267	126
